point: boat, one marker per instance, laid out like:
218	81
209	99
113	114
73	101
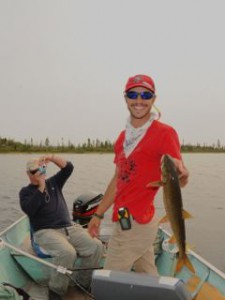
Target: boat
21	268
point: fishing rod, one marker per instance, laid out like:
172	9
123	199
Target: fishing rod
80	287
59	269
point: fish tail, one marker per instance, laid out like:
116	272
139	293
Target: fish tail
184	261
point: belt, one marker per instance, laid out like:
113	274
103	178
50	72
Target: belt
66	232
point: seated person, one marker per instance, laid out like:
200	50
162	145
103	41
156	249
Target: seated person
43	201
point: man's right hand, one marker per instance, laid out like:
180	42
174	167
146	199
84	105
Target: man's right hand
94	226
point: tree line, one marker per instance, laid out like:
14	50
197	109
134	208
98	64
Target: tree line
9	145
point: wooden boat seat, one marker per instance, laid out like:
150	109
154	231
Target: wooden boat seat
207	291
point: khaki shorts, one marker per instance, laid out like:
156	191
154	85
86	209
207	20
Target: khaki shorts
133	248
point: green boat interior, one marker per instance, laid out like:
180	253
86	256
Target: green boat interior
21	267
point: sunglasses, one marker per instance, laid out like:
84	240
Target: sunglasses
133	95
33	171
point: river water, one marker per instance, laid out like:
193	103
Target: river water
203	197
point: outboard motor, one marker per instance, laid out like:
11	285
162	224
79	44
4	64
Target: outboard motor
84	206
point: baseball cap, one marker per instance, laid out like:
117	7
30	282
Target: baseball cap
140	80
32	164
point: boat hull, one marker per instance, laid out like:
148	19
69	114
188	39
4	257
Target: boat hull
20	270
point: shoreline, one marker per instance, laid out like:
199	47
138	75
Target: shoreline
101	152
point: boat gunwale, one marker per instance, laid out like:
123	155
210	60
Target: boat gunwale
199	257
12	225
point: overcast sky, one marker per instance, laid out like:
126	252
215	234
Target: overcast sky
64	64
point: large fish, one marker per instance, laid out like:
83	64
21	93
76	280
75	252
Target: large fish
175	213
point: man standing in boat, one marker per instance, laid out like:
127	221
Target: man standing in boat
138	152
43	201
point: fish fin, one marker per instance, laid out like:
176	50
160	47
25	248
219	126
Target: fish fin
164	219
184	261
154	184
172	240
186	214
190	247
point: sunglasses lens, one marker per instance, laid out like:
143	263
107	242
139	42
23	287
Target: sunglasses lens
34	171
132	95
147	95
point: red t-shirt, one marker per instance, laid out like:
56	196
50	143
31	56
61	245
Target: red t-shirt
141	167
